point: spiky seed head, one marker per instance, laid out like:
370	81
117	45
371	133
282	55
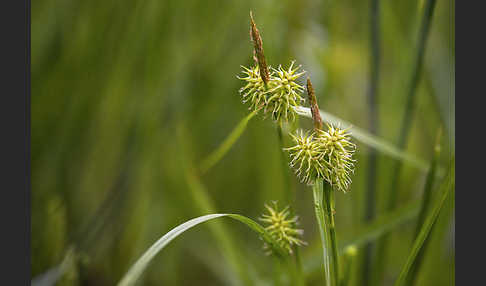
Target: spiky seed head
324	155
306	157
254	91
284	93
337	155
282	227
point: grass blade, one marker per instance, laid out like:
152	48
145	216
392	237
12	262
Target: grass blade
219	153
426	200
367	138
373	113
405	126
349	260
424	234
143	262
382	225
204	204
53	275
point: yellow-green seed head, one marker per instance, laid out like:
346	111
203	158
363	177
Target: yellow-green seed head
254	91
337	154
284	93
306	157
324	155
278	96
282	228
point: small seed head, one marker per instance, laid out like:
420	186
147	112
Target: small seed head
254	91
337	154
306	157
284	93
323	155
278	96
282	228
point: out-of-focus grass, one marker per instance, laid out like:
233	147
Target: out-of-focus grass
113	80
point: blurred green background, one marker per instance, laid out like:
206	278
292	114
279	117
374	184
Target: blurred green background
129	95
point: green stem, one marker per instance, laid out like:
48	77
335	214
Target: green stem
370	199
405	131
325	221
300	279
285	169
297	273
447	188
330	206
426	200
349	258
224	147
276	271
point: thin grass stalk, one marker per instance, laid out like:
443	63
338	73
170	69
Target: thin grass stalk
300	272
424	208
370	198
429	183
324	213
319	210
447	188
277	270
288	195
226	145
404	132
349	260
204	204
292	269
331	226
296	268
325	221
369	232
225	239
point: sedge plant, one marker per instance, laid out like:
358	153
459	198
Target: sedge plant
321	158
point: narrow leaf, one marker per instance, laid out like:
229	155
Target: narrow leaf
218	154
142	263
53	275
426	201
448	186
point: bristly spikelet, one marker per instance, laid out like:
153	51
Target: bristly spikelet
282	228
306	157
324	155
337	151
254	91
284	93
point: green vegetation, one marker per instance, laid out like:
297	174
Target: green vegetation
139	134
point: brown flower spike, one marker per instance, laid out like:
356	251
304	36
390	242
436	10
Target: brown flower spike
316	116
258	44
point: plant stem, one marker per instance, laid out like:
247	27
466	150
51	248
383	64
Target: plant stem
370	198
426	197
447	188
330	206
289	198
325	221
349	259
224	147
405	130
298	262
276	271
